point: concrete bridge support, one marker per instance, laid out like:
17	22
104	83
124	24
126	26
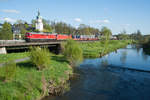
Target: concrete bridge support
3	50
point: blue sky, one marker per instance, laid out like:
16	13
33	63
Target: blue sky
115	14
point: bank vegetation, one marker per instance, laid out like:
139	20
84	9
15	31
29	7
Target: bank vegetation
46	73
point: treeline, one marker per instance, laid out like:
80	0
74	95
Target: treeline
21	27
64	28
49	26
134	36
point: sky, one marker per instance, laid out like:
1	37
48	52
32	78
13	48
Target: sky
118	15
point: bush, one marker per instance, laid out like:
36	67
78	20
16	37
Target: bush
73	52
8	71
40	57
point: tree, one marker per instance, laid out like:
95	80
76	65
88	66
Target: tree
40	57
33	22
61	27
136	35
6	32
22	26
139	35
73	52
23	32
106	33
87	30
83	29
123	35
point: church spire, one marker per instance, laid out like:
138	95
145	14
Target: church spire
38	12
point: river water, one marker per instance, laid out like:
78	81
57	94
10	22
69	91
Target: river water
120	75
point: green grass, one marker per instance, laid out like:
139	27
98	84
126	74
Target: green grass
96	49
12	56
27	83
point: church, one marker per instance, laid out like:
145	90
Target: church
39	23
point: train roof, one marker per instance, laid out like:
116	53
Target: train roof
41	33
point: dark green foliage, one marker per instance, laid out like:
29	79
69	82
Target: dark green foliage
40	57
8	71
73	52
6	32
146	45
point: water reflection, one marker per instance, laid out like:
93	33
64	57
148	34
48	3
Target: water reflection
145	57
130	58
123	57
101	80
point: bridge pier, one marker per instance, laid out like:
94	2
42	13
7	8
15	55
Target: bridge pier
3	50
58	48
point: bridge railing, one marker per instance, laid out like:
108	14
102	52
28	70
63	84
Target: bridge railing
2	42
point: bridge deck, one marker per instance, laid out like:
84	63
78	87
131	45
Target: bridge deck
17	44
29	44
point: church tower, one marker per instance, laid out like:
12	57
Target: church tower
39	23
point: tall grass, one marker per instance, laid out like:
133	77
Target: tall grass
73	52
8	71
40	57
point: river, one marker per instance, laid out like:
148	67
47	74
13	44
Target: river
120	75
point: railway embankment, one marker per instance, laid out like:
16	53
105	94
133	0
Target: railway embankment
26	80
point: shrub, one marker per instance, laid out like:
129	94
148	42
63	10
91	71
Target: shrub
8	71
73	52
40	57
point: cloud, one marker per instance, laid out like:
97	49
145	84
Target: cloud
10	11
106	21
9	20
78	20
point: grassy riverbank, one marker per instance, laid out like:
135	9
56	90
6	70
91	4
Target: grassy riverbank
28	83
31	84
96	49
12	56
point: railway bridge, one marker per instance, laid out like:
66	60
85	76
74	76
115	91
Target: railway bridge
8	46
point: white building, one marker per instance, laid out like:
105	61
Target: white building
39	23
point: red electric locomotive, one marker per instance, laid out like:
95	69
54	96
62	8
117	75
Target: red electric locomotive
44	37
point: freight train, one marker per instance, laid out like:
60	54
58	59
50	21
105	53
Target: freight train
45	37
